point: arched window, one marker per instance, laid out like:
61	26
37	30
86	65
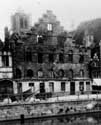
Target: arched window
18	73
40	73
29	73
70	74
61	73
51	73
81	73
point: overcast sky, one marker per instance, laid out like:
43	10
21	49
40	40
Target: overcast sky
69	12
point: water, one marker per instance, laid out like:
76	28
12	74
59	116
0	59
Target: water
74	120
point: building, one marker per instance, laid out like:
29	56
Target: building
6	70
20	22
46	59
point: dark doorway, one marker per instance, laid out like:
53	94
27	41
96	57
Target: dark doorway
72	88
6	88
19	85
42	87
29	73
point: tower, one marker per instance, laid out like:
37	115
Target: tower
20	22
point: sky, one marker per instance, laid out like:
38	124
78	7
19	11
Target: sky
69	12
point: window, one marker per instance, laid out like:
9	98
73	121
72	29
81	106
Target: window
51	73
70	74
51	58
40	73
40	58
31	84
49	27
87	86
21	23
61	73
81	59
28	56
19	85
5	60
51	86
61	57
95	74
63	86
81	73
40	39
81	87
70	56
29	73
18	73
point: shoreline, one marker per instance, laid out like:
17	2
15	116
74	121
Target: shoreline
29	117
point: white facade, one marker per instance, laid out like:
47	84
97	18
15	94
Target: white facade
56	86
6	70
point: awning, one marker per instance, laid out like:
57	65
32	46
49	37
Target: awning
97	82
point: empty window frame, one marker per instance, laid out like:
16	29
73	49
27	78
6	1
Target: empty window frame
29	56
40	39
51	57
29	73
88	86
70	56
40	58
51	86
61	58
5	60
49	27
18	74
40	73
81	59
63	88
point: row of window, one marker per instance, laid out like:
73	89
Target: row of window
63	86
61	73
51	57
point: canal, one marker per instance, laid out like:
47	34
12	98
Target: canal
90	119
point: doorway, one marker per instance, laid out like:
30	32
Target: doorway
42	87
72	88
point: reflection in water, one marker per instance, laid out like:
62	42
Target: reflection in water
73	120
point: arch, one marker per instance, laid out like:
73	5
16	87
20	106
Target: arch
18	73
71	73
51	73
81	73
61	73
29	73
6	87
40	73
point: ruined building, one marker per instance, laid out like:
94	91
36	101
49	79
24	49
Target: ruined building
46	59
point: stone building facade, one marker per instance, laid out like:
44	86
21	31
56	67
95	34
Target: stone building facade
47	57
6	70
